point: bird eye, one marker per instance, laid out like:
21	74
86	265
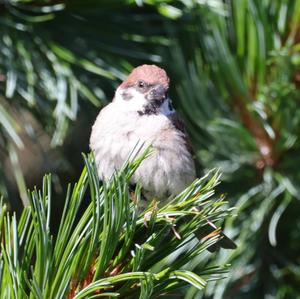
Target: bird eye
141	84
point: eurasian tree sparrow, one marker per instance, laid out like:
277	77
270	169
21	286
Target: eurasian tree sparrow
142	112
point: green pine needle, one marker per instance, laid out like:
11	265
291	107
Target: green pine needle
109	249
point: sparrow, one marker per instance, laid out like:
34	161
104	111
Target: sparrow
141	112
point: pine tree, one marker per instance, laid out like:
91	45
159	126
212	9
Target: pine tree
234	68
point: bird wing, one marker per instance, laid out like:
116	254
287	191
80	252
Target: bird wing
178	124
210	229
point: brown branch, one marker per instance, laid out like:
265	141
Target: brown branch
264	143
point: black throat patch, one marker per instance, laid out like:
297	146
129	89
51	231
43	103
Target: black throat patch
152	108
149	109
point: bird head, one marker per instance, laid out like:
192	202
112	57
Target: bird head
145	91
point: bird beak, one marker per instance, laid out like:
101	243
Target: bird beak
158	94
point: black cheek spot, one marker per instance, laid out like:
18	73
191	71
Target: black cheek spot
126	96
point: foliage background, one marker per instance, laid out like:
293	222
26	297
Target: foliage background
234	67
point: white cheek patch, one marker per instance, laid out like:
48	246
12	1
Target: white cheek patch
135	103
130	99
166	107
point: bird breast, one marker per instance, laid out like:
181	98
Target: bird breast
166	172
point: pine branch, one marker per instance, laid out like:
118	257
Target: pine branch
108	249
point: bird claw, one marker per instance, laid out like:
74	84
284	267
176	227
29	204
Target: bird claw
147	217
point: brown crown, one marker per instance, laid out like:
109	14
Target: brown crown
151	74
